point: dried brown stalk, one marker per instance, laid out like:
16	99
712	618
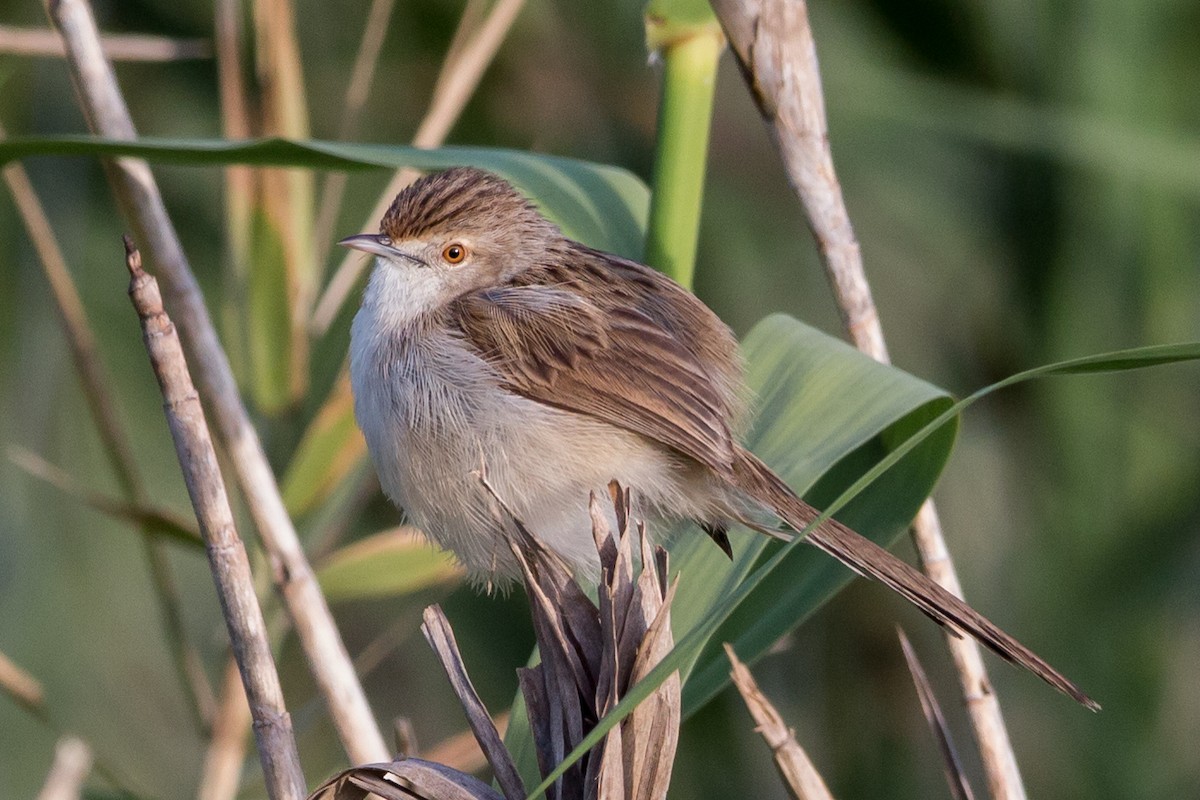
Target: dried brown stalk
960	788
117	46
799	774
85	356
774	45
460	75
226	553
72	763
590	657
139	198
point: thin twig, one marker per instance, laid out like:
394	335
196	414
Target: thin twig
85	355
960	788
139	198
795	767
222	771
36	42
773	42
459	77
226	553
72	763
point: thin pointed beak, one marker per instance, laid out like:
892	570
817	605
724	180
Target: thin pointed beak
379	245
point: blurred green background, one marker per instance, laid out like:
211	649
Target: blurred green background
1025	188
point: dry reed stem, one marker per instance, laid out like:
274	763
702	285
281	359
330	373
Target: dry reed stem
799	774
72	763
960	788
137	194
226	553
221	774
774	45
37	42
457	81
23	688
85	355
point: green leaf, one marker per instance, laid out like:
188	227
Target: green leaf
387	564
329	450
600	205
268	323
705	630
823	409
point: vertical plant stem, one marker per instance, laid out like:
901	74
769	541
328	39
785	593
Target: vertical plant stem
72	763
684	119
138	195
226	553
773	42
85	355
221	774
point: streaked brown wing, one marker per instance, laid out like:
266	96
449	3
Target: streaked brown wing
617	363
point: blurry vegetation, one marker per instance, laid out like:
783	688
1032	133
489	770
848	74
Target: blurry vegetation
1025	187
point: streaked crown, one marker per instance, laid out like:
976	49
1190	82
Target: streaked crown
462	201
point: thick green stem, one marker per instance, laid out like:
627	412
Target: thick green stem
683	123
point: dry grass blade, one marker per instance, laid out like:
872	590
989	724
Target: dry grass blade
35	42
441	638
138	195
960	788
799	775
226	553
774	45
72	763
406	779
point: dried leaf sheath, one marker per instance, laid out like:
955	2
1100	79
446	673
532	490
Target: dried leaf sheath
590	657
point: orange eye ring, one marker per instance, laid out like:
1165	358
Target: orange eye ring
454	253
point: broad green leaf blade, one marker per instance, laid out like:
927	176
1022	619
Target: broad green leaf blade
268	322
696	638
329	450
387	564
600	205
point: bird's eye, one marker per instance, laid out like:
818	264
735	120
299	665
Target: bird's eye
454	253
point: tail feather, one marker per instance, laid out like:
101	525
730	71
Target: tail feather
872	561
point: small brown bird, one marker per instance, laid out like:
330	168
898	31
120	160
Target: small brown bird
487	336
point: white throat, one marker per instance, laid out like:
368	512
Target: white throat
396	295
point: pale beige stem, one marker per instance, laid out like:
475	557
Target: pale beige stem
226	553
22	687
138	195
773	42
117	46
795	767
459	77
72	763
222	772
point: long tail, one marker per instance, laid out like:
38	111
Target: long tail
872	561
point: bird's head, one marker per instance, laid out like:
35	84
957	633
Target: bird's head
457	231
